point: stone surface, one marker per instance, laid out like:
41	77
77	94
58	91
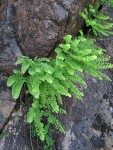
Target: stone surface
6	102
88	123
16	135
107	41
9	51
41	24
34	28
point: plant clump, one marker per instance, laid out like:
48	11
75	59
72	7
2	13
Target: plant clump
47	79
99	23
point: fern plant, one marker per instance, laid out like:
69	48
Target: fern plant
49	79
99	23
109	1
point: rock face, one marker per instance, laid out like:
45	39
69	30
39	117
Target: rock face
89	123
34	28
41	24
107	42
16	134
9	51
6	105
14	131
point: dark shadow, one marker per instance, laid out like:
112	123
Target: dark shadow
0	4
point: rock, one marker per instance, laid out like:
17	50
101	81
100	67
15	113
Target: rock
88	122
40	25
107	41
6	102
34	28
16	135
3	5
9	51
14	131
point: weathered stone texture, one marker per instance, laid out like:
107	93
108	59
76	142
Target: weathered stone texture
41	24
9	51
89	122
6	102
37	26
17	135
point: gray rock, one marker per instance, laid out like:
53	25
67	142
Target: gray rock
16	135
9	51
40	25
88	122
6	102
36	27
107	41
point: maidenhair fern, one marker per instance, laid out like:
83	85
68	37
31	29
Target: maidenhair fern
49	79
99	23
109	1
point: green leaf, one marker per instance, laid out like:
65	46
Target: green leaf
42	60
59	75
20	61
35	104
24	68
29	84
79	80
35	88
32	71
31	115
11	80
77	93
58	50
16	72
68	39
30	119
70	71
49	78
61	56
60	88
65	47
54	105
74	66
90	58
48	68
54	121
74	44
16	89
38	69
49	141
84	52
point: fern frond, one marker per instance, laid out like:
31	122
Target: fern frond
39	128
98	22
54	121
48	80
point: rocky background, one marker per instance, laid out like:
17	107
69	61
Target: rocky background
34	28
